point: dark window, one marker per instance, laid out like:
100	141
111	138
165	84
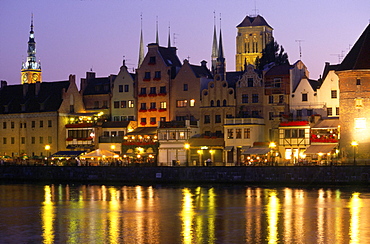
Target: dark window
50	123
143	120
224	103
123	104
271	115
281	98
142	91
153	90
120	88
218	103
207	119
255	113
244	98
153	105
358	82
116	104
4	125
271	99
329	111
238	133
127	88
153	120
254	98
162	89
333	93
277	82
217	118
337	110
212	103
185	87
157	75
33	124
250	82
304	97
301	133
147	76
287	133
41	123
152	60
143	106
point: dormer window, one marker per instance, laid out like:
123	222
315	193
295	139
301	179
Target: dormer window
152	60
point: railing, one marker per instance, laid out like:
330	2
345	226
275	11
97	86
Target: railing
110	139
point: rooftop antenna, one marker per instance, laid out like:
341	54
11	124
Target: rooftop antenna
188	57
255	9
174	38
300	48
340	56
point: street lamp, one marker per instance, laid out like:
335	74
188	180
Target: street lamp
272	146
354	144
47	148
187	147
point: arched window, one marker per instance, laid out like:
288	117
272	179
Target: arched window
212	103
218	103
224	103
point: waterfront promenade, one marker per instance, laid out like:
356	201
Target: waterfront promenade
286	175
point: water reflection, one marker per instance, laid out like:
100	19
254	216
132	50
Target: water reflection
148	214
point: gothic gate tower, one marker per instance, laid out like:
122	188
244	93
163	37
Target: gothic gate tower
253	35
31	69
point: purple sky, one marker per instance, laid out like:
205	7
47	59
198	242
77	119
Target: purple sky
74	36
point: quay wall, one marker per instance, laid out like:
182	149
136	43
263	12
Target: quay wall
294	175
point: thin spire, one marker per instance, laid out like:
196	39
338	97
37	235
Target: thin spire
220	47
169	35
157	36
214	45
141	45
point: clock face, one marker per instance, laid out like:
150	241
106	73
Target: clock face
24	77
35	76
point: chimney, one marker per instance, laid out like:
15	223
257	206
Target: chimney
3	84
203	63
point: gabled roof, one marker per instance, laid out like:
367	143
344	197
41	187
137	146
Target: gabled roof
98	86
233	77
254	21
283	69
169	56
328	67
314	84
359	56
49	97
201	71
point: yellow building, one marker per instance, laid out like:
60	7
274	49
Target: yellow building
253	35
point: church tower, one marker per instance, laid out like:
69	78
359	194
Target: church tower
253	35
31	70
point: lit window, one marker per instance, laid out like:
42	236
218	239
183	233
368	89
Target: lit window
358	102
131	103
181	103
163	105
192	103
230	133
238	133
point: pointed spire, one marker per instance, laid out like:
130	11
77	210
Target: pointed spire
220	47
169	36
214	44
156	35
141	45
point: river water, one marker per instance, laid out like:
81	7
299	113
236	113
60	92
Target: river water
36	213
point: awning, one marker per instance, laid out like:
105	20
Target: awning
314	149
229	148
67	154
257	150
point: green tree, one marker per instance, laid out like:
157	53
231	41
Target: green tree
272	53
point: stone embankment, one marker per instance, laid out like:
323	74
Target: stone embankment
290	175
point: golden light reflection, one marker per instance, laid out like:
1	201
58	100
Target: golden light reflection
320	216
187	215
273	209
48	216
355	205
211	215
114	215
288	215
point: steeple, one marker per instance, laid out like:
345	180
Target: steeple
214	48
141	48
156	33
221	67
31	69
169	36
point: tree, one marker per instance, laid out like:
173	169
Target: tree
272	53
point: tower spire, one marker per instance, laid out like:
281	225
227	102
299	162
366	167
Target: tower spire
220	59
214	45
141	45
156	35
169	36
31	69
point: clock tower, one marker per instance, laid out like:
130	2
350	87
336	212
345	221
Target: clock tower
31	70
